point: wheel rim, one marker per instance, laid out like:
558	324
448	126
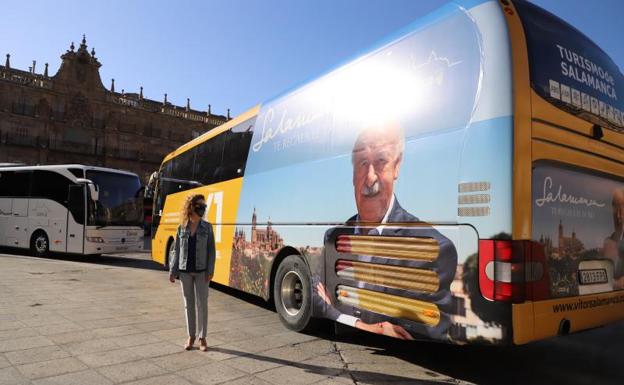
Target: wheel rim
292	293
41	244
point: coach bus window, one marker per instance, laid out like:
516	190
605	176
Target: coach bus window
21	184
50	185
182	167
78	172
77	203
236	150
209	158
119	200
15	184
571	71
6	178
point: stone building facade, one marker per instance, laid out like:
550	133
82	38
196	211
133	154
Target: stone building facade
71	117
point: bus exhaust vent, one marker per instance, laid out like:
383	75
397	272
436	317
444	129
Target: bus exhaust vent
473	199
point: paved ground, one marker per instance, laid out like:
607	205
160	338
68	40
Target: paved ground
109	320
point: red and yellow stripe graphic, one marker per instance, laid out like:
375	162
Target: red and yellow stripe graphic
390	305
390	276
421	249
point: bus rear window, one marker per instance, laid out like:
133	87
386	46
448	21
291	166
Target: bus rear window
571	71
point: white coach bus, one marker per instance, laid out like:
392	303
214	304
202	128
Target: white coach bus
70	209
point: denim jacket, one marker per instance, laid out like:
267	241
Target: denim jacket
204	249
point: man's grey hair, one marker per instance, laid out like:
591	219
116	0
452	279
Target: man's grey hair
400	146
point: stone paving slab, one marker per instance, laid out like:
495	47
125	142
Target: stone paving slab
213	373
117	320
14	344
51	367
131	371
28	356
168	379
12	376
90	377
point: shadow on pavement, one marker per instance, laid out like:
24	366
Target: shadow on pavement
357	375
142	262
592	357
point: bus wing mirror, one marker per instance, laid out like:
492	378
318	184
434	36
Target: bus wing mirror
93	189
95	194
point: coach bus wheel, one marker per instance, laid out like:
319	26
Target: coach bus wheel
169	253
40	244
292	293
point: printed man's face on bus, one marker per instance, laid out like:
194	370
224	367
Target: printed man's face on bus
376	161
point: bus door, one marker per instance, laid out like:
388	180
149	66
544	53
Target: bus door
76	218
17	231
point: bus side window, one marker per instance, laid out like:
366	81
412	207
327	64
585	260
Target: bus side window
209	158
78	172
50	185
235	154
182	167
77	203
15	184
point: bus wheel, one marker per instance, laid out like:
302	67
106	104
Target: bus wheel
39	244
169	253
292	293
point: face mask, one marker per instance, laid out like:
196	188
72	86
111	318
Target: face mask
200	210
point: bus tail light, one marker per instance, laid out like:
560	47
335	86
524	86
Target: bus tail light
502	265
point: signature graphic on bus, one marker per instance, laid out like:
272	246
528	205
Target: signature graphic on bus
560	196
437	66
285	125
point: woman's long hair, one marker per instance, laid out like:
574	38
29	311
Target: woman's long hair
187	209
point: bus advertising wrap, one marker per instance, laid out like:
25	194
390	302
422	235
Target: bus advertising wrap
338	169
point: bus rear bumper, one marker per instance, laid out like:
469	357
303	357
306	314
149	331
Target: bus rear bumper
543	319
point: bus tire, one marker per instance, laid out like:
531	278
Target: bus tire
40	244
168	252
292	293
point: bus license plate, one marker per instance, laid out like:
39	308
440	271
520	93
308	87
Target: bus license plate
593	276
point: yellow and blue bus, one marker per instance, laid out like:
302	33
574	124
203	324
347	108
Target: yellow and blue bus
461	181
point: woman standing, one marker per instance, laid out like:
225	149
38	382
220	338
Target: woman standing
193	262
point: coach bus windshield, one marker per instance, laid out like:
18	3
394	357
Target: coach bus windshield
119	202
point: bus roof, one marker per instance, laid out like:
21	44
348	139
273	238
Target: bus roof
214	132
65	166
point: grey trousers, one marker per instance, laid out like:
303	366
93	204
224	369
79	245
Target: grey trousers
195	291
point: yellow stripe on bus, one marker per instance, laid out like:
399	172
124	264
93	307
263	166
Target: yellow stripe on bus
390	276
390	305
426	249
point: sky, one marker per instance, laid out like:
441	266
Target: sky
236	53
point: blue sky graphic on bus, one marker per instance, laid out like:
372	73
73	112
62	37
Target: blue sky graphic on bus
421	82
